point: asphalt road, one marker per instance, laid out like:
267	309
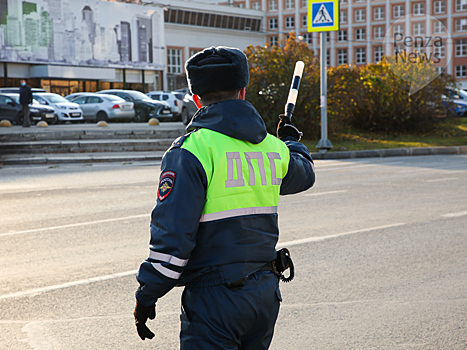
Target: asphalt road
379	246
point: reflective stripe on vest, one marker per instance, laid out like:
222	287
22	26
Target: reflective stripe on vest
243	178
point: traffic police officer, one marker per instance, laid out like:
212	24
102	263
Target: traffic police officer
215	227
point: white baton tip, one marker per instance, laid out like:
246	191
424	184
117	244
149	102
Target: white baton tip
299	68
292	96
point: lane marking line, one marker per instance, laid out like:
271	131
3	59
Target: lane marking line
74	225
322	238
346	168
455	215
133	272
67	285
323	193
444	179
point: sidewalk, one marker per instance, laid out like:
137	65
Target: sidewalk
43	138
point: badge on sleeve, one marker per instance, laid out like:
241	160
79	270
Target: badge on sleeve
166	184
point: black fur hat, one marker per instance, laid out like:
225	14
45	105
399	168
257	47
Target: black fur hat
217	69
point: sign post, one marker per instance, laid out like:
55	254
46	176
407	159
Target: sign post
323	16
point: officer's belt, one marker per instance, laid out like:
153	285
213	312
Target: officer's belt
214	278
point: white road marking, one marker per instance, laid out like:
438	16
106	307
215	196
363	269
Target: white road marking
74	225
443	179
322	238
324	193
455	215
67	285
339	168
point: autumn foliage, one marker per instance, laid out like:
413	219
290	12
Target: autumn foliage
370	98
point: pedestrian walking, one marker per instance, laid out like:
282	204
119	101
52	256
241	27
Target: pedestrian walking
25	99
214	227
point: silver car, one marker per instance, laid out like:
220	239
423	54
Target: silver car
104	107
65	110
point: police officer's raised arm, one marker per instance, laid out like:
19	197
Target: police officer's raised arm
301	173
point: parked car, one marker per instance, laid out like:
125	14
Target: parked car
174	99
190	106
10	110
145	107
455	101
66	111
104	107
37	112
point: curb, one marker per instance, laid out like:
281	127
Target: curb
392	152
101	157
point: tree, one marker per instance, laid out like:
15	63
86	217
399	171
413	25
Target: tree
271	73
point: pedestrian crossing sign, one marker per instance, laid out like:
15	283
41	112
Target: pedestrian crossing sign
323	16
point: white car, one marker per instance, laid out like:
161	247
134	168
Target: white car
176	102
66	111
98	107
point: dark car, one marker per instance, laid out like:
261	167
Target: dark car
37	111
145	107
191	108
11	110
455	102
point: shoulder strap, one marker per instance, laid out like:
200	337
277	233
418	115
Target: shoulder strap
179	141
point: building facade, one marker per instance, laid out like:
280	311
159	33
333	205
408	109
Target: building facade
368	30
67	46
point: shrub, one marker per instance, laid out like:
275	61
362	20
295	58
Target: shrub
370	98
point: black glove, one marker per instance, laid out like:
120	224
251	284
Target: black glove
142	313
285	128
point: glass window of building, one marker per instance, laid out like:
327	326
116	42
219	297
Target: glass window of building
289	4
307	38
290	21
256	5
461	25
398	11
419	8
272	5
378	13
461	71
419	28
360	55
273	24
360	15
304	21
343	17
378	32
399	29
305	3
439	27
273	40
461	5
360	34
174	58
342	35
342	56
440	51
378	54
440	7
461	48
